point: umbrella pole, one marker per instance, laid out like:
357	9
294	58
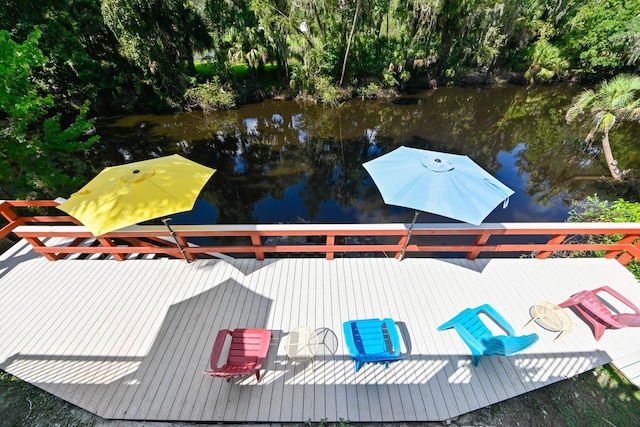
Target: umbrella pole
173	234
406	242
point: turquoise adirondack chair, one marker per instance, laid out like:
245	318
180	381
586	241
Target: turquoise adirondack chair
481	340
372	341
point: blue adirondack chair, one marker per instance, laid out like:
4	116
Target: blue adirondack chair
372	341
480	339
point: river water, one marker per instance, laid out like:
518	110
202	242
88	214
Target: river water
285	162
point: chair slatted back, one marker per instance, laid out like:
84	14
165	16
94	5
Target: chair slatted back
248	345
474	324
368	336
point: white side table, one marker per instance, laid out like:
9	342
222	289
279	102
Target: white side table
551	317
301	345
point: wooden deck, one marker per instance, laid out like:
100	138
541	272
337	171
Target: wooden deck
128	340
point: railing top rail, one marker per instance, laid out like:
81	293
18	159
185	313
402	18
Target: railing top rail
31	203
560	227
542	227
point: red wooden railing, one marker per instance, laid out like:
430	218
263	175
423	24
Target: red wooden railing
58	236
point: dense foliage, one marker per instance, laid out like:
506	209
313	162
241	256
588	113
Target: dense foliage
594	209
37	151
125	54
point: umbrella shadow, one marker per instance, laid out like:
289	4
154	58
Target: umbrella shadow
246	266
173	362
477	265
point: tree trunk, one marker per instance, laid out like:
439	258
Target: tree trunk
353	30
612	164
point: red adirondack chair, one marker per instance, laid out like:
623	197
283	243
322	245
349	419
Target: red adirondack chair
247	353
594	311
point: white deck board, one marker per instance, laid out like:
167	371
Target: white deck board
129	340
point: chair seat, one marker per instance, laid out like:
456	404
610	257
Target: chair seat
379	358
507	345
372	341
231	370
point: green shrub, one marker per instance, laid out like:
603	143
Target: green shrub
371	91
546	62
326	92
592	209
210	96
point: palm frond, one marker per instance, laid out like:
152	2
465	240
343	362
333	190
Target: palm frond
574	113
607	122
585	99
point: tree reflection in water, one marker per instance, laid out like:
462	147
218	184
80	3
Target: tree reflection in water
279	161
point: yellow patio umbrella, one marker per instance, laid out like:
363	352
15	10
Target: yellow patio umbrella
124	195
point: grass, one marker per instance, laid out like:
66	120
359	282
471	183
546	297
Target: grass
596	398
22	404
240	70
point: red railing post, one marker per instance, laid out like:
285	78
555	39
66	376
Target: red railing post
557	239
104	241
634	246
10	216
331	241
481	240
38	246
256	241
624	257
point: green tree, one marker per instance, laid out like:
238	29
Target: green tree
593	32
38	155
84	58
616	99
473	33
160	37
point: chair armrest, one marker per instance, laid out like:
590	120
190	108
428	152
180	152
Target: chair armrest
348	337
392	329
618	296
217	347
452	323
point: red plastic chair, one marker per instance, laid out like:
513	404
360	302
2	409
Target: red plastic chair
247	353
593	310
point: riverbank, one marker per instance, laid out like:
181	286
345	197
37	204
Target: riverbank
247	91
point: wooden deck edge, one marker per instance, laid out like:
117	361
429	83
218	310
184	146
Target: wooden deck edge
629	367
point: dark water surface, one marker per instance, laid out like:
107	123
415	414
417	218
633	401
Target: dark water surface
280	161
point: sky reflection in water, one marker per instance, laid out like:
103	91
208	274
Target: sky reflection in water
281	162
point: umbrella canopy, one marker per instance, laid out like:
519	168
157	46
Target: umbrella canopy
124	195
445	184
